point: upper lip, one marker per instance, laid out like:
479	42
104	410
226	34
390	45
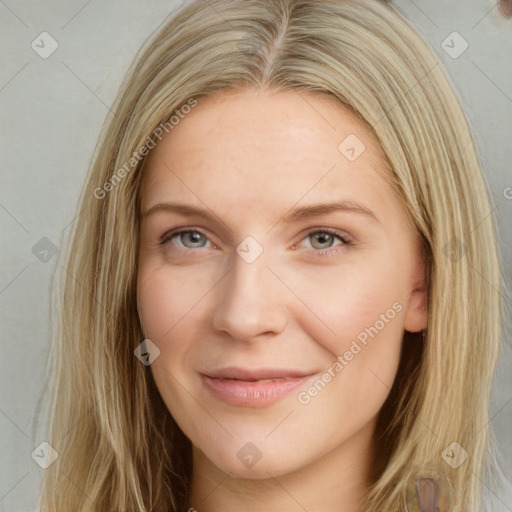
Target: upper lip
254	374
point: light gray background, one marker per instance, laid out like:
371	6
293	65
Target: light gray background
52	110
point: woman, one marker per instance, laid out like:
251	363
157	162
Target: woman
257	370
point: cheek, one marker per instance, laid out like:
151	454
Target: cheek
361	329
168	314
356	303
171	302
167	298
362	356
156	307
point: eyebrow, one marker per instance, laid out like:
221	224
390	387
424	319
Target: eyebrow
296	215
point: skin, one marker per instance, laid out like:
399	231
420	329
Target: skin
248	158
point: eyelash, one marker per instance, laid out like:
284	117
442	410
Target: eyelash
327	252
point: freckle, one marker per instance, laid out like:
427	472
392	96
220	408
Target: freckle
505	8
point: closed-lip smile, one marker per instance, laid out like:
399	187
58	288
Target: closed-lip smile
253	387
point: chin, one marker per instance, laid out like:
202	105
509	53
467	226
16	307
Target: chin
258	460
266	467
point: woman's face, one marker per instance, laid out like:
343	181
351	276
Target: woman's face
279	341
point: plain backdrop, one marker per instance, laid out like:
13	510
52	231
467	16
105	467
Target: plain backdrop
51	112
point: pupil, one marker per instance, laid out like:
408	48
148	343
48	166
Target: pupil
323	238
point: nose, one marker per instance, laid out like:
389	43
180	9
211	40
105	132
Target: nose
252	301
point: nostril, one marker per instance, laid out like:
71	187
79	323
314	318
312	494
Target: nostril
505	8
427	492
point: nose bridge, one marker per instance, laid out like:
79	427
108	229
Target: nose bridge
250	302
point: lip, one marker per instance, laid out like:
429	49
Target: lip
255	388
254	374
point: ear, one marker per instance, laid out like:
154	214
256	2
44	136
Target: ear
416	314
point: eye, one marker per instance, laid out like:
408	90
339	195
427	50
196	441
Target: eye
323	239
194	237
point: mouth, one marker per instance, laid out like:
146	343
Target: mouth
254	388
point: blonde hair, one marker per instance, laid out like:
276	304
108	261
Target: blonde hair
119	448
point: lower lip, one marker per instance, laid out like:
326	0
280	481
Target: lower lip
257	394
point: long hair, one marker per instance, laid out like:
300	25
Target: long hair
118	447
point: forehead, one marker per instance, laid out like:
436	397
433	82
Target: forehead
281	146
272	121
